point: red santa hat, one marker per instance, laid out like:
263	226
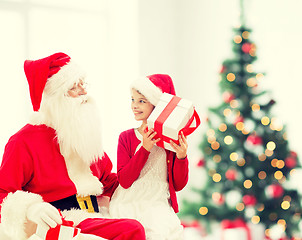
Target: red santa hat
56	71
153	86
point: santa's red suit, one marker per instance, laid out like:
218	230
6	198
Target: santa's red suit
34	170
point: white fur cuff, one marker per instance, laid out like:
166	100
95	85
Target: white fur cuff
13	212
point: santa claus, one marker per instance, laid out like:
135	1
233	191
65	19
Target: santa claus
57	161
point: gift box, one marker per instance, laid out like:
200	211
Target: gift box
193	230
65	231
238	229
170	116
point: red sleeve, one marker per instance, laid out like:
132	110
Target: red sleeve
107	178
129	166
180	172
16	168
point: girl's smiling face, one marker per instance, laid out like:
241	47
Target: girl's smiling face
140	106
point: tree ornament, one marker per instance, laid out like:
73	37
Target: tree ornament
218	198
231	174
238	120
290	162
254	143
249	200
253	139
246	47
250	212
223	68
201	163
274	191
232	198
293	154
228	97
277	232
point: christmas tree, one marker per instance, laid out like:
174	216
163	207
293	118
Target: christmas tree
246	154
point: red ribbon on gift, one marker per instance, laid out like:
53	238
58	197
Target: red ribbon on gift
54	233
158	124
237	223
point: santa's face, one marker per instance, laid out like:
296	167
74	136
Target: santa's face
74	116
77	90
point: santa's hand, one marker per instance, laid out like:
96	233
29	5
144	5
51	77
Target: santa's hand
44	214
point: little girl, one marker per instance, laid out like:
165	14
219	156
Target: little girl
149	175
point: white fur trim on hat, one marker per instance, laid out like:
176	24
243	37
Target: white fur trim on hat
148	89
13	213
64	79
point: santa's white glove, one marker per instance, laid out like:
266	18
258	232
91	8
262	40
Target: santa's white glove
44	214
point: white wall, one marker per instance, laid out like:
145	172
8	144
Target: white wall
123	64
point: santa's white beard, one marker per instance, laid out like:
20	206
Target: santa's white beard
77	125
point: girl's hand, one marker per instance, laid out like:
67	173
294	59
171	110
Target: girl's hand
148	138
181	149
